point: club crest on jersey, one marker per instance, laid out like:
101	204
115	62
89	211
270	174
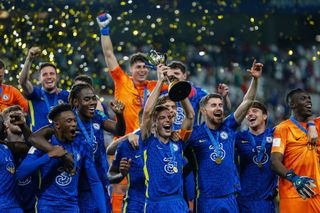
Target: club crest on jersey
265	157
60	101
221	153
269	139
5	97
24	182
10	167
170	165
175	147
224	135
179	116
96	126
64	178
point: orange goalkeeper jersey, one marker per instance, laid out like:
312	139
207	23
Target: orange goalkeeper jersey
10	96
133	96
298	154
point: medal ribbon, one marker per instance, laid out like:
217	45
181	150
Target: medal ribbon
145	93
263	145
84	131
298	125
45	98
214	142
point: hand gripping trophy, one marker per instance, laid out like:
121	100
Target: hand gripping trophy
178	90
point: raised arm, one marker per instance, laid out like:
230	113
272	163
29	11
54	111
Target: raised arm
223	90
187	123
107	47
151	102
255	72
24	76
117	128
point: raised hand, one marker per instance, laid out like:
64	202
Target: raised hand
34	52
104	20
17	118
117	107
125	165
223	90
162	71
256	69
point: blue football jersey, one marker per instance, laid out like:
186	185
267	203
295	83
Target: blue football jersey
96	148
216	173
136	182
257	180
59	188
7	180
195	96
38	109
163	165
26	189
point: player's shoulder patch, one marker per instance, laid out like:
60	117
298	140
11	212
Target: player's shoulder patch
32	150
276	142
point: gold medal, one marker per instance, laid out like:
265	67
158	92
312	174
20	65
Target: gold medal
260	165
175	169
218	160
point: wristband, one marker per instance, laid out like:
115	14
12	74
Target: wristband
310	124
105	31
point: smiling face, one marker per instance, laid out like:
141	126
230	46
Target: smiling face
48	78
301	104
66	125
213	110
139	72
255	118
86	103
164	123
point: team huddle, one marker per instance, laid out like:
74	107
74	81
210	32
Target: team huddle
184	156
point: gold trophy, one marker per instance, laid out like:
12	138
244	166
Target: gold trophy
178	90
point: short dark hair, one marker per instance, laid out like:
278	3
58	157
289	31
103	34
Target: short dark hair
206	98
2	65
157	110
85	78
76	89
178	65
163	99
57	110
259	105
293	93
137	57
47	64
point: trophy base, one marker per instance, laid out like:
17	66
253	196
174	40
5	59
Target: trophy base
179	90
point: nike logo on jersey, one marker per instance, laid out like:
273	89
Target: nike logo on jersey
137	156
159	147
201	141
244	141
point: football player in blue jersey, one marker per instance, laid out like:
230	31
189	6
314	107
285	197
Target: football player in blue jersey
58	190
163	160
41	99
17	135
213	147
91	124
8	200
253	146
